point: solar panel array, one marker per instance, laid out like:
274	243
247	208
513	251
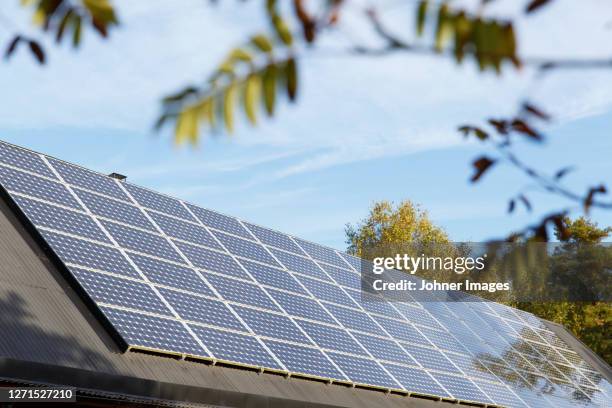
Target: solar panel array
177	278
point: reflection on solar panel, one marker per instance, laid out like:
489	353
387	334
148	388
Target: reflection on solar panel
176	278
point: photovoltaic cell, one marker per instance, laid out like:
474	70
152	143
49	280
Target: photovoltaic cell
219	221
417	315
120	292
271	325
241	292
153	332
321	253
235	347
88	254
212	261
80	177
501	394
383	349
416	380
273	238
471	366
50	216
301	307
25	160
309	361
298	264
374	304
113	209
461	388
443	340
245	249
327	292
353	319
141	241
364	371
430	358
158	202
342	276
202	310
272	277
184	230
168	274
331	338
20	182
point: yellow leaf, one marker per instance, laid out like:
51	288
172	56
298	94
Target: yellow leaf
269	85
76	35
187	126
229	101
282	30
252	90
444	28
421	15
39	17
262	42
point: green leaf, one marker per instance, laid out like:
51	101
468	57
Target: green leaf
229	102
252	89
262	42
76	34
62	26
282	30
269	85
291	78
421	15
463	33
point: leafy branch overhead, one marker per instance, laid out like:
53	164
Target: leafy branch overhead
65	19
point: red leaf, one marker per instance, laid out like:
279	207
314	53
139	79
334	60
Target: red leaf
537	112
521	126
37	51
535	4
481	165
12	46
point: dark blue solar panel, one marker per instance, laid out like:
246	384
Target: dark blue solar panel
354	319
356	263
430	358
158	202
273	238
327	292
153	332
383	349
273	277
120	292
374	304
80	177
301	307
219	221
364	371
235	347
401	330
115	210
271	325
141	241
443	340
84	253
304	360
168	274
184	230
417	315
298	264
321	253
331	338
416	380
202	310
241	292
246	249
24	159
461	388
212	261
20	182
343	277
50	216
500	394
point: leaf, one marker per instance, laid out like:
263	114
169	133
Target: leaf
308	23
511	205
521	126
238	54
12	47
282	30
444	27
37	51
187	126
525	202
481	165
421	15
262	42
229	101
291	78
535	5
510	47
533	110
62	25
588	201
179	96
562	172
479	133
501	126
252	90
76	34
463	33
269	85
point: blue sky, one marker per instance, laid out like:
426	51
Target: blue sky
364	129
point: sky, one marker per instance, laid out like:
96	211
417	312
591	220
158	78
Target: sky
364	129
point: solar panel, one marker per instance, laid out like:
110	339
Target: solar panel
173	277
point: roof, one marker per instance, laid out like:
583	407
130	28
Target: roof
49	336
